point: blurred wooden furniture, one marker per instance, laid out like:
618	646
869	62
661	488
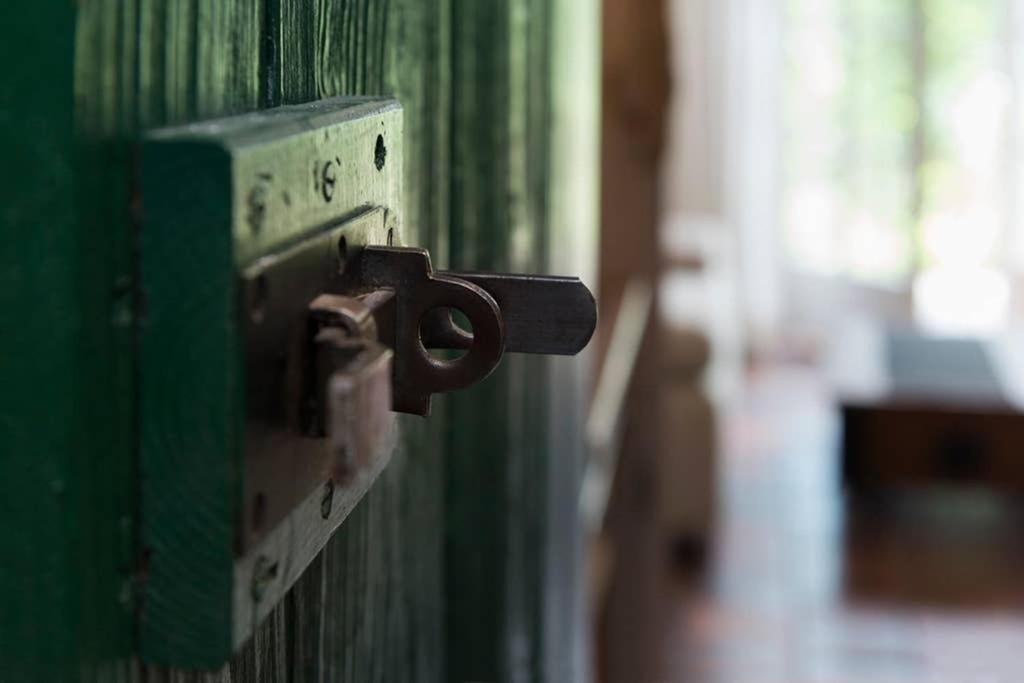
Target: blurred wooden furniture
701	359
805	588
635	96
686	455
604	431
919	409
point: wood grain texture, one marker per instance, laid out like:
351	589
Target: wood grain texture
359	619
53	316
513	607
381	592
190	344
136	64
82	82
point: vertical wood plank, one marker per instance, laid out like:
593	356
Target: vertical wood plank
524	131
137	64
476	477
498	515
474	80
49	534
375	608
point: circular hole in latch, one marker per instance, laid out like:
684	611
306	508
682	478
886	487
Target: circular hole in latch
258	297
446	333
342	253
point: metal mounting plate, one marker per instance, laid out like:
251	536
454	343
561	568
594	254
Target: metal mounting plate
282	463
242	219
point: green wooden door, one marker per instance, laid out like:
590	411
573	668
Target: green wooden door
462	563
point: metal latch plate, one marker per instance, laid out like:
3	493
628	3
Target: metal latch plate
245	219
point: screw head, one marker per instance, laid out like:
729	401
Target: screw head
257	205
328	500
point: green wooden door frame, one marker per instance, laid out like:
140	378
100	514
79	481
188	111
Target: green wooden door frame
65	433
498	100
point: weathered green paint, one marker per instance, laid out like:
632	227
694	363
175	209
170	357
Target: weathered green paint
522	199
198	236
372	602
65	428
488	152
372	608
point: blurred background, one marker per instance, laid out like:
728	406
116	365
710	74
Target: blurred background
807	433
804	440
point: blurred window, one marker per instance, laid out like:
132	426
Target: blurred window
902	149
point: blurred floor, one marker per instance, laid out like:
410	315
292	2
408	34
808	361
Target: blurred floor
798	588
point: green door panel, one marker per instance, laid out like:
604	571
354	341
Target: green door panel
461	563
523	199
62	523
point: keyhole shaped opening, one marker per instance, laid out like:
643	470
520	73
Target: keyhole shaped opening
446	333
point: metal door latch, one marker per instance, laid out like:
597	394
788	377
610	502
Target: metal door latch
372	344
351	381
279	340
413	310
